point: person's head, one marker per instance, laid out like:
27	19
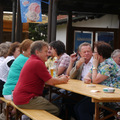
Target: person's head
8	43
116	56
50	52
58	48
103	49
25	47
4	49
40	49
85	50
14	49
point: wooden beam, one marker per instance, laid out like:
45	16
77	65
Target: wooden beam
54	21
118	35
13	21
18	32
50	21
69	35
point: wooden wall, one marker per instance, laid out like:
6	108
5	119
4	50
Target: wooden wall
7	29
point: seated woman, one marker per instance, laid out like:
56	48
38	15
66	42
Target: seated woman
9	55
116	56
103	72
16	68
63	59
3	51
62	63
12	54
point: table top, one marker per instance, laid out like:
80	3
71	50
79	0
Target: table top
78	86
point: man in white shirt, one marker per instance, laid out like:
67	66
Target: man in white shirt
79	71
84	64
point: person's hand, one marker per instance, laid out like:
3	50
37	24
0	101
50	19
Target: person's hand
87	80
80	62
64	78
96	59
73	57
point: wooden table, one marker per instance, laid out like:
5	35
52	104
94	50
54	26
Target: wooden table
80	87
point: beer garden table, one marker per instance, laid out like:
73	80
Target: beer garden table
79	87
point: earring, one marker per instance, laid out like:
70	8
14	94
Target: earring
23	52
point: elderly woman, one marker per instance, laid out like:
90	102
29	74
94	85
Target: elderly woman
4	50
16	68
13	53
104	68
103	72
116	56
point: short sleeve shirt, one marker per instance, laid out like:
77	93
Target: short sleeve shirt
14	74
31	81
63	61
108	68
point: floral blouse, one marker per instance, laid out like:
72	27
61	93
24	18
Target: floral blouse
110	69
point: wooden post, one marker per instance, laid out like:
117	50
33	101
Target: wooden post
18	35
118	45
54	21
13	20
69	35
49	21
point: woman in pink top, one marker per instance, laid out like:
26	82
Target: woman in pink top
63	59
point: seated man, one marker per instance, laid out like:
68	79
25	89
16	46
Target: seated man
81	68
84	64
32	79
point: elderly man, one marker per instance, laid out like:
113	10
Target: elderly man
32	79
81	68
84	64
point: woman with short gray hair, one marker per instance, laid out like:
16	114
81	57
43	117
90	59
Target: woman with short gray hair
3	51
116	56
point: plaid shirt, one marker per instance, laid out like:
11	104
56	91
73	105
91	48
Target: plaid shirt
63	61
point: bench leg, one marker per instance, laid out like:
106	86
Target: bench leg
7	112
18	115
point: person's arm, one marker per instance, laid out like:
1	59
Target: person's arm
73	58
58	80
76	70
97	77
87	78
80	62
61	70
64	63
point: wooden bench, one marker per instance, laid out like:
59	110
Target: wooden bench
31	113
